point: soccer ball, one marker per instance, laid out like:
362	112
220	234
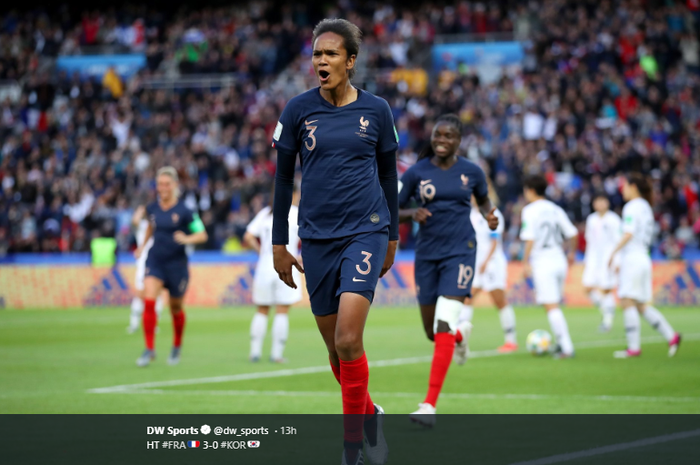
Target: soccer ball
539	342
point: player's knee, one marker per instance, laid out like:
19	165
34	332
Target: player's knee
175	307
347	342
442	327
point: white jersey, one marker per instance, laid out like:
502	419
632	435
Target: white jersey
638	220
141	235
547	225
484	235
261	227
602	236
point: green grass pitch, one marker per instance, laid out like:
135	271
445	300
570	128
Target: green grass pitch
58	361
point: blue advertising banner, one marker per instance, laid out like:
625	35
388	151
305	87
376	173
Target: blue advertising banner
450	56
97	65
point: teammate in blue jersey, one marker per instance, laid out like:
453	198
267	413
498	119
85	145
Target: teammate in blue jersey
442	183
348	215
173	226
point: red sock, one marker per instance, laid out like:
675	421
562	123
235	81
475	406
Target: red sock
458	336
444	349
149	322
178	327
354	378
369	405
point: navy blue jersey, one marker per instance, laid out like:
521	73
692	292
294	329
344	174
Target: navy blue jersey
164	224
447	195
340	148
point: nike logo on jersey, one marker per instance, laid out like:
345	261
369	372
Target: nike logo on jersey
423	183
310	122
355	280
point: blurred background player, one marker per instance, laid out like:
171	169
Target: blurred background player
443	183
635	290
544	228
599	280
140	223
268	290
490	275
172	226
348	216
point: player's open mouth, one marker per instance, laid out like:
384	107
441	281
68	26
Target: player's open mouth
323	75
440	149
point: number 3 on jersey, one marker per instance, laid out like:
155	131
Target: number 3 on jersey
466	273
366	260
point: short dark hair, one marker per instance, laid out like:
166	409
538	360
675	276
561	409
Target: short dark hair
643	184
600	195
351	34
537	183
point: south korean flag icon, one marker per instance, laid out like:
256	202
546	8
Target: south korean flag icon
253	444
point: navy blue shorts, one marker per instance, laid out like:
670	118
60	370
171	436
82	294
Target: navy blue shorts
175	275
347	264
451	276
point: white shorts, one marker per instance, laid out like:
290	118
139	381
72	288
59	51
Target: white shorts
269	289
140	272
495	277
599	275
549	276
636	278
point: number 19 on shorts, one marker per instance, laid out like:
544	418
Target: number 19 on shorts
466	273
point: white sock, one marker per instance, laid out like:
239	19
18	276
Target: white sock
595	297
658	322
507	316
633	328
561	330
258	328
159	306
467	313
280	332
136	312
607	308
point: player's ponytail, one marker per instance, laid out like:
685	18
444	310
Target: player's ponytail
643	185
172	173
449	118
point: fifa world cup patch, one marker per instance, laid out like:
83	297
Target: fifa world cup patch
278	131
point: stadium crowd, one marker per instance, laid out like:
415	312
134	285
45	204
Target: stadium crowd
606	86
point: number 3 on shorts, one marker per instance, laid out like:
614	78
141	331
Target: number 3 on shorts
366	260
466	273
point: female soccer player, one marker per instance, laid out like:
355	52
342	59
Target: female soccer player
635	290
544	228
602	235
443	183
491	274
140	222
348	215
172	226
268	290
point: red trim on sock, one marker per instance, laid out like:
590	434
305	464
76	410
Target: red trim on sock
354	378
458	337
442	356
178	327
150	319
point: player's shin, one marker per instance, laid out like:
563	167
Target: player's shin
150	320
633	330
607	308
561	330
507	317
178	327
354	379
659	322
136	313
280	332
258	329
446	316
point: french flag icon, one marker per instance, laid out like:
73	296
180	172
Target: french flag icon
192	444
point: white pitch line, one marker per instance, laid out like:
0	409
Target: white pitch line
324	368
612	448
465	396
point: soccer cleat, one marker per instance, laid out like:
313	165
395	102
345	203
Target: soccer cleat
278	360
359	459
507	348
462	348
254	358
174	357
146	358
377	454
627	353
674	344
424	416
559	354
